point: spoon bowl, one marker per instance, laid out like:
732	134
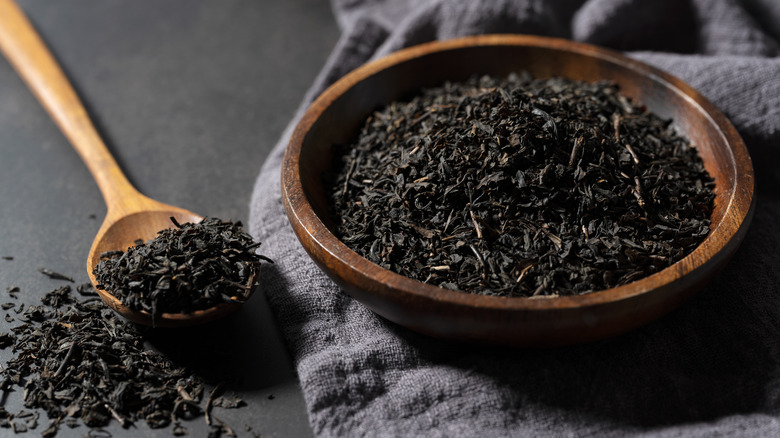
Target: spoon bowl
121	233
131	215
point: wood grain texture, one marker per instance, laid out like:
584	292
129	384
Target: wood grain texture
130	215
337	114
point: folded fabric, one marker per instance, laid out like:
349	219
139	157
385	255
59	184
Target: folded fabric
711	367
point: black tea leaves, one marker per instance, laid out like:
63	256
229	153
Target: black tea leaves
78	359
520	187
183	269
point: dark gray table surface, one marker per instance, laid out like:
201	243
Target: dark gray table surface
190	96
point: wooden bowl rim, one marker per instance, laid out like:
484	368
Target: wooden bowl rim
728	231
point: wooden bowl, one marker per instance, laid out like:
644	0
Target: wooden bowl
336	116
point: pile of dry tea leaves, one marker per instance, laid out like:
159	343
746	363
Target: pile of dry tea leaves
520	187
183	269
80	360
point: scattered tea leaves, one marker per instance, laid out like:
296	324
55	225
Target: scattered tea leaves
80	360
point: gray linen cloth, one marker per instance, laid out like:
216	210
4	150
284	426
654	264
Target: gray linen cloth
711	367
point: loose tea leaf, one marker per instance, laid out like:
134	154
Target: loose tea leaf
520	187
54	275
79	359
86	290
7	339
183	269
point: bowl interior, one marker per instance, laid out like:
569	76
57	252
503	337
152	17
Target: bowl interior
338	114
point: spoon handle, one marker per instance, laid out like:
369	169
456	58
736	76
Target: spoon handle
28	54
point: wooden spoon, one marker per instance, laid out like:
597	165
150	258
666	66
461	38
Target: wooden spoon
130	215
